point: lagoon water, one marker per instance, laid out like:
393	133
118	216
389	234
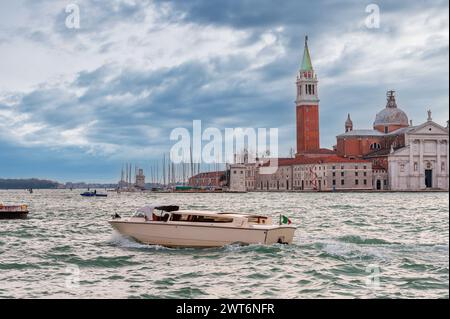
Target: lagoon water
347	245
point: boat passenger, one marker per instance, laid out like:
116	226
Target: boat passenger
148	212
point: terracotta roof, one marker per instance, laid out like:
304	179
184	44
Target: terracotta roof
209	174
356	133
302	160
383	152
320	151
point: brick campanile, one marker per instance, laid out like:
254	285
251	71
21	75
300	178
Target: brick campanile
307	103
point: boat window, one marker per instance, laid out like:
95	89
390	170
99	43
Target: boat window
208	219
180	218
257	220
138	214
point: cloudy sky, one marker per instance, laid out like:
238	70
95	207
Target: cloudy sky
77	103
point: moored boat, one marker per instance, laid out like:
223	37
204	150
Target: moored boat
13	212
168	226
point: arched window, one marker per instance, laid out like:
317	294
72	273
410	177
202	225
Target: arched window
375	146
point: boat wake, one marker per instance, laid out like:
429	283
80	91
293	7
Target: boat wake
122	241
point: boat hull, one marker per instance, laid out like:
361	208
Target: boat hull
14	215
175	235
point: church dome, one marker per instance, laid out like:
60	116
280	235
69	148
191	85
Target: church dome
391	115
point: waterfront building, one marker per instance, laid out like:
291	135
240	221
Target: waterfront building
423	162
392	155
208	180
304	173
390	140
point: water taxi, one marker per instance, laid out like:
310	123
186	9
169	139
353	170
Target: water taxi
13	212
168	226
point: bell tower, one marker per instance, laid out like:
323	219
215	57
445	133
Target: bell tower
307	104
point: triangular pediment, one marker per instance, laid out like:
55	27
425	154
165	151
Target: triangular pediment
429	128
401	151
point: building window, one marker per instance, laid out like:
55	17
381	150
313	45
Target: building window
385	182
356	173
342	182
234	172
356	182
334	174
415	167
443	167
334	182
342	174
365	167
365	182
334	167
342	167
375	146
386	129
402	167
365	173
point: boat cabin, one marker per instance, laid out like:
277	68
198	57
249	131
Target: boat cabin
172	214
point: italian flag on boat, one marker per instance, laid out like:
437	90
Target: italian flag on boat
285	220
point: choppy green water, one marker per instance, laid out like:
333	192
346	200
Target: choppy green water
355	245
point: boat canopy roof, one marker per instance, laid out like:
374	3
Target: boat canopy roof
176	209
169	208
217	214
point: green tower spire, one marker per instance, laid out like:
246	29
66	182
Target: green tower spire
306	63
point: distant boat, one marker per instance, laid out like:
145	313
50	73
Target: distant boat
93	194
101	195
13	212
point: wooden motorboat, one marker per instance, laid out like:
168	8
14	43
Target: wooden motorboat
171	227
13	212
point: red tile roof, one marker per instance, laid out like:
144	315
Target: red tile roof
320	151
209	174
302	160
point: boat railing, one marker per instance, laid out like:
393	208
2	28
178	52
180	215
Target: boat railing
20	208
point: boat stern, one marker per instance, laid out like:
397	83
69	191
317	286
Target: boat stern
280	235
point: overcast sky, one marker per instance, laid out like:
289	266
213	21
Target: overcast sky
77	103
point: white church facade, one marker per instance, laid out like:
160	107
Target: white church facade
424	161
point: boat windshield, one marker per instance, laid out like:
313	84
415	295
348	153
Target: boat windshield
138	213
200	218
257	220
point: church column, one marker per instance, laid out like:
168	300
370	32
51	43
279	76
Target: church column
421	168
411	157
438	152
438	163
411	172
